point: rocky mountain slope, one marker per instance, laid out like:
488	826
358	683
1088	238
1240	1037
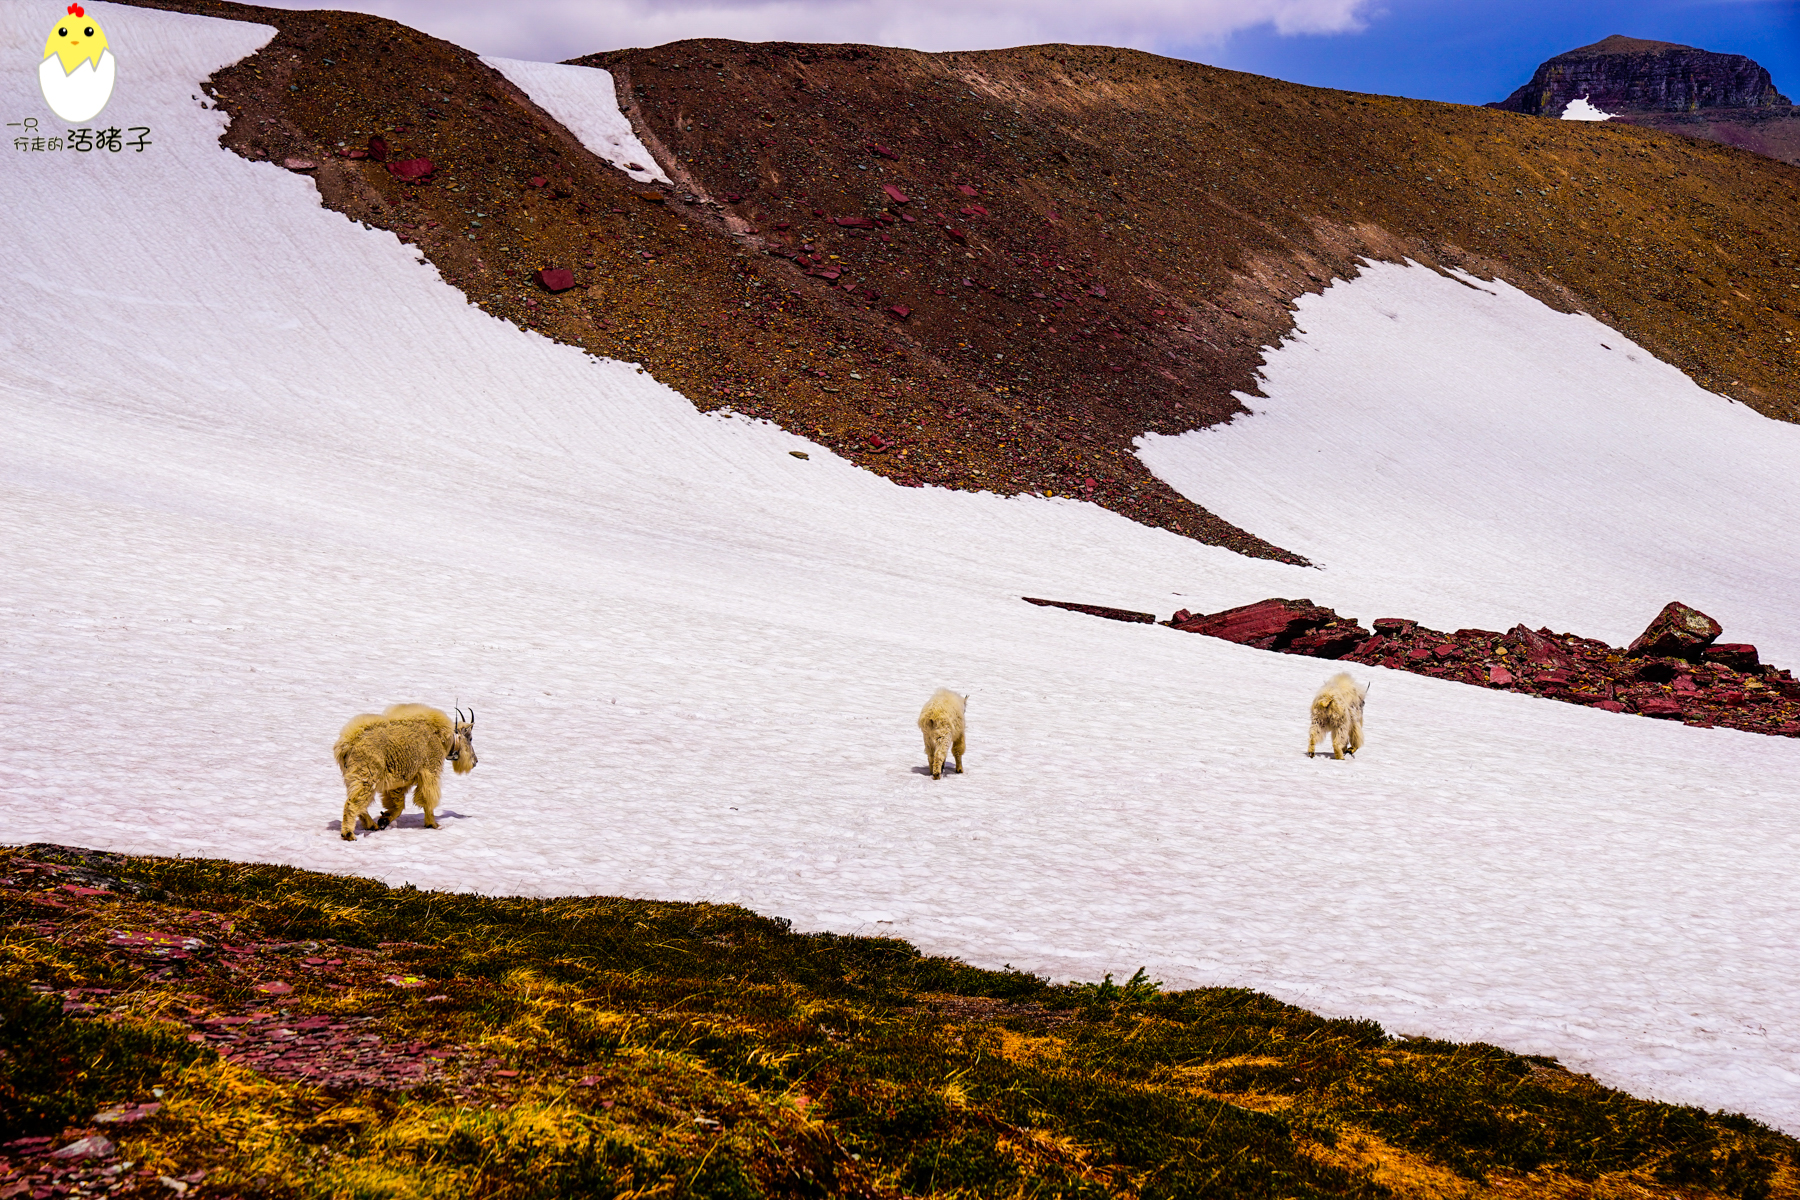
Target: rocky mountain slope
995	270
1660	85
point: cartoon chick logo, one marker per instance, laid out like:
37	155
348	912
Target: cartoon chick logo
78	70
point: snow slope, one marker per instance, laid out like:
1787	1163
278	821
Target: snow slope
582	99
1455	452
264	470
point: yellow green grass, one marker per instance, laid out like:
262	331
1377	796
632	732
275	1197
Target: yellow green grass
616	1048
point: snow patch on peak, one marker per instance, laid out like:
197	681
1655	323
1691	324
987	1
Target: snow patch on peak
1580	110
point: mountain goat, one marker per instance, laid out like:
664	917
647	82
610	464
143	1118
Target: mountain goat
941	721
405	747
1338	710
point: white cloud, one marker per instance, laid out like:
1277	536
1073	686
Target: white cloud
551	30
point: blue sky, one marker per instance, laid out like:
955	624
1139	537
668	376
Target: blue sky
1466	51
1473	53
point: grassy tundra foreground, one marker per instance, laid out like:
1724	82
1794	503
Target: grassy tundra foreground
229	1029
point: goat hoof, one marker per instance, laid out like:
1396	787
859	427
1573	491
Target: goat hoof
384	822
348	837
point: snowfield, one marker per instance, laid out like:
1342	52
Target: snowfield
263	470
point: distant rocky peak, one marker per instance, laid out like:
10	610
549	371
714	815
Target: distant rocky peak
1618	43
1621	74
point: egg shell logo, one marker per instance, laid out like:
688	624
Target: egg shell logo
78	70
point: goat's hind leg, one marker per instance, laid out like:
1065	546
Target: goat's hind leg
356	808
393	803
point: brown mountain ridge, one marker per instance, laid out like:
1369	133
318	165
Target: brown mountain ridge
1092	244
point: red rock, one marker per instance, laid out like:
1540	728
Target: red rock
274	988
359	152
1267	624
556	279
1332	641
1418	654
651	197
966	190
1447	650
1685	683
378	149
1738	656
973	210
1678	631
537	181
1540	648
901	311
876	148
734	198
1096	610
299	164
1608	705
959	236
1394	626
1369	651
411	169
1097	290
854	222
1726	697
1499	675
1659	706
895	194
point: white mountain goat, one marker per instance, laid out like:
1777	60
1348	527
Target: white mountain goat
941	721
405	747
1338	710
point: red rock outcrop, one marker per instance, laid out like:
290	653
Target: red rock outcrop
1675	669
1277	625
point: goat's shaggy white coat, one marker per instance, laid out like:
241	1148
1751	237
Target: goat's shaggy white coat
404	747
941	721
1338	710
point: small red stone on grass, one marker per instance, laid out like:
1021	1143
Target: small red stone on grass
412	170
556	279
